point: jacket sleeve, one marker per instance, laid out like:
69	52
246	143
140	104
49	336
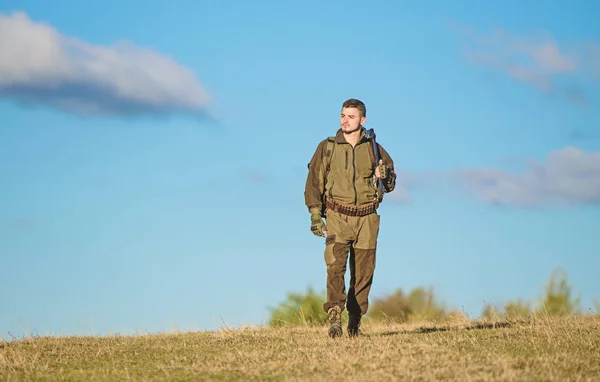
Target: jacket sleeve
389	183
315	180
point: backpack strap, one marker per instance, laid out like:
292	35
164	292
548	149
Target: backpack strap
328	153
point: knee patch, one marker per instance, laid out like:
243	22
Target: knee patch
329	255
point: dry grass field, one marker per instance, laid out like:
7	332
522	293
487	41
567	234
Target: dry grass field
549	349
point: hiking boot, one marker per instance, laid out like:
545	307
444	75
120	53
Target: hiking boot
353	324
335	321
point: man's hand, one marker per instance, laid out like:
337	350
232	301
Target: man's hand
317	226
381	171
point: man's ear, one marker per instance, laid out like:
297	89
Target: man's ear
363	120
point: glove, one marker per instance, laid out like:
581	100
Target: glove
317	226
383	170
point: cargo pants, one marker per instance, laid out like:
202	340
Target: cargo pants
355	236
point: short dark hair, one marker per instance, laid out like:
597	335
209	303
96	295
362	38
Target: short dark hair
352	102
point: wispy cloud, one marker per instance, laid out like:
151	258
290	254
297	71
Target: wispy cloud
569	176
540	61
566	177
254	176
39	65
402	191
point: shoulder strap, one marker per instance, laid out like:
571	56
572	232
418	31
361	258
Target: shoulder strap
328	153
372	152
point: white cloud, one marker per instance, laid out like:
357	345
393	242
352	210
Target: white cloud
401	194
39	65
536	60
568	176
591	59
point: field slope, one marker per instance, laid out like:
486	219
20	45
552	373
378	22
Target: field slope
559	349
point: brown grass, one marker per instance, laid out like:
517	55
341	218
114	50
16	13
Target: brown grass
557	349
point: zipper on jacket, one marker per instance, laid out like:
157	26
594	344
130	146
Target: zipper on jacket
354	175
346	152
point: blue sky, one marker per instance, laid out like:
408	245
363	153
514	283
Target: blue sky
153	156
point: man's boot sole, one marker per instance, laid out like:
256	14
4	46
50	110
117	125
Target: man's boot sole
335	331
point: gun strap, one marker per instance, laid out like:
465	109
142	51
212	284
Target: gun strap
375	164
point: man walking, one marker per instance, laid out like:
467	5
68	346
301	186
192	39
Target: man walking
341	187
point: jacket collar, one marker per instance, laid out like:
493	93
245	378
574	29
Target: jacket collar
339	136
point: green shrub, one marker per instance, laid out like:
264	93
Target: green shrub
300	309
419	305
559	299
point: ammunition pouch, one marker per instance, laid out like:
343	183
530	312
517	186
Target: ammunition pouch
351	210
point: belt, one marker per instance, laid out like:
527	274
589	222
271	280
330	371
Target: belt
351	210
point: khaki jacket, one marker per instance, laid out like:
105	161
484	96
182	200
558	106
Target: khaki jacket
351	178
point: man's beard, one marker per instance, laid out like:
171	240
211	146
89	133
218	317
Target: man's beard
346	131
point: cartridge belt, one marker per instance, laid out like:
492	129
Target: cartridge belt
351	210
